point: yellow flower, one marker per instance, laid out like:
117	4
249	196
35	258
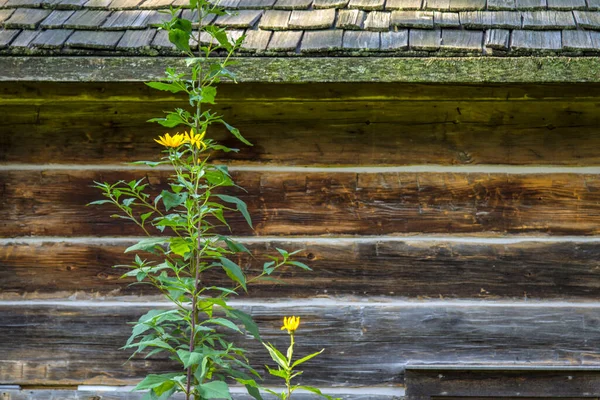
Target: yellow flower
195	139
170	141
290	323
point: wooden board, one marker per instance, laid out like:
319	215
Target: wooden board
449	132
521	384
397	268
126	395
366	343
52	203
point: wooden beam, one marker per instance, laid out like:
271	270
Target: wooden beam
49	394
316	132
52	203
315	69
366	343
344	267
523	383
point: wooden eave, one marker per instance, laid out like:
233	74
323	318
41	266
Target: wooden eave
457	70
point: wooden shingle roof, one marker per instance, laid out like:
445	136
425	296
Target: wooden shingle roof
311	27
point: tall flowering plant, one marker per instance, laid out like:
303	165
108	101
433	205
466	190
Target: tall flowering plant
182	223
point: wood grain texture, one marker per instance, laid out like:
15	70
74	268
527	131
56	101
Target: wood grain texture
125	395
365	344
52	203
395	268
318	132
497	385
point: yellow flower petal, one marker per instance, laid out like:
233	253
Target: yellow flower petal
170	141
291	324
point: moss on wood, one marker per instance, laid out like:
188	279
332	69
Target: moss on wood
324	69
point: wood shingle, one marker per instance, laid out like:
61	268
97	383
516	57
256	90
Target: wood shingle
322	41
56	19
446	19
498	39
412	19
581	40
7	36
313	19
240	19
523	40
403	4
501	5
276	20
394	40
378	21
52	38
28	18
548	20
367	5
587	19
462	40
130	19
351	19
491	19
287	41
136	39
292	4
361	41
256	40
317	4
86	19
421	39
94	40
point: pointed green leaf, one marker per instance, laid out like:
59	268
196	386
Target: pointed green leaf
147	245
180	39
233	271
246	320
152	380
214	390
241	206
169	87
236	132
308	357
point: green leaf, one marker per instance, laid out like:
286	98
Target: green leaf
145	216
234	246
168	87
224	322
233	271
236	132
308	357
190	358
241	206
152	380
246	320
316	391
299	264
214	390
99	202
280	373
277	356
218	178
172	200
180	39
147	245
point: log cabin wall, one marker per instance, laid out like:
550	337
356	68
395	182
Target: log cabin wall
446	224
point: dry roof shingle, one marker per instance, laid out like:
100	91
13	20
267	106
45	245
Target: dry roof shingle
94	40
412	19
439	5
330	3
97	4
403	4
23	3
369	5
421	39
255	4
240	19
123	4
24	39
7	36
531	4
536	40
581	40
257	40
86	19
276	20
378	21
136	39
491	19
457	39
464	5
566	4
322	41
361	40
56	19
68	4
285	41
28	18
446	19
292	4
593	4
4	15
587	19
351	19
314	19
134	19
548	20
394	40
52	38
155	4
497	39
501	5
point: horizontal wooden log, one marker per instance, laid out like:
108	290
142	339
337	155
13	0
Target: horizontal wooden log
318	132
524	384
388	267
53	202
47	92
49	394
365	343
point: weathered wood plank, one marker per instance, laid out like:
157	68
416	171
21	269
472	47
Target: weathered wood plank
525	384
49	394
392	267
50	203
318	133
29	93
366	343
